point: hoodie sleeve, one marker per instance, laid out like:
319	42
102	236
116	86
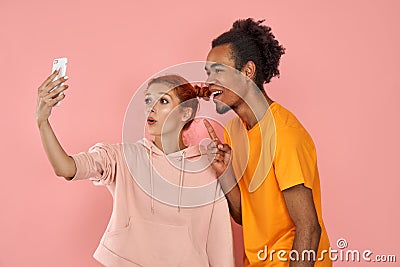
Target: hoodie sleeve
98	164
220	240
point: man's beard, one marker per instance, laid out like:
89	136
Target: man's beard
221	108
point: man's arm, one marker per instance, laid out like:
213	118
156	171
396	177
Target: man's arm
221	163
300	205
234	203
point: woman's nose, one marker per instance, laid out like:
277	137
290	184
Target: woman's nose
149	109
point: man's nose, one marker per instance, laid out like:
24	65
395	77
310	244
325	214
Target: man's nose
209	80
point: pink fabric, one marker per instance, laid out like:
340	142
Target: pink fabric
136	236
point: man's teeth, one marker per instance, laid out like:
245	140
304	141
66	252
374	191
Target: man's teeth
217	92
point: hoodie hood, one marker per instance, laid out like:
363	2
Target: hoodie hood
190	152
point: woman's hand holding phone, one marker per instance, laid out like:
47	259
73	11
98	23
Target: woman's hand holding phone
49	94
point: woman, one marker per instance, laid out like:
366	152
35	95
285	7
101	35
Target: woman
150	225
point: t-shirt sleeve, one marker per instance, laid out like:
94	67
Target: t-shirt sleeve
295	159
98	164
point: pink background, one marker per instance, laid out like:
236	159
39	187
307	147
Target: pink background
340	76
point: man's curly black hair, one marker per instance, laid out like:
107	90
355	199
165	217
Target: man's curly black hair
251	41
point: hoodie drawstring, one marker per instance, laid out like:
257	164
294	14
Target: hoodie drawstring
151	179
181	181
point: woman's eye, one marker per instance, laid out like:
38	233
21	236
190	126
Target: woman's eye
147	101
164	101
218	70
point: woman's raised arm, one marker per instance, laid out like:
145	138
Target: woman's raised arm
48	96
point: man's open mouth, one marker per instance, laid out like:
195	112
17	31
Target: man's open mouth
216	93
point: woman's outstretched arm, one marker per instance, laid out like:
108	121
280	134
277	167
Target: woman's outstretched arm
62	163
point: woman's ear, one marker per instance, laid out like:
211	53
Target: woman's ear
187	113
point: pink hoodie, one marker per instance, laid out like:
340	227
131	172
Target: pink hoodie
162	216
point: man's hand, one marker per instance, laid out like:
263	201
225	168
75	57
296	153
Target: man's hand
221	153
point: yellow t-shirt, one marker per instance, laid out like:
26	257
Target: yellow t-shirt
274	155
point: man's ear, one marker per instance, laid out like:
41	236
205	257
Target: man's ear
249	70
187	113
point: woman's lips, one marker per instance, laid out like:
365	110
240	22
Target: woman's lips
151	121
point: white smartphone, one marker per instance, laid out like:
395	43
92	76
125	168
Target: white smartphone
60	64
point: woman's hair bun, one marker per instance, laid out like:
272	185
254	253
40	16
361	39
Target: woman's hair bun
202	91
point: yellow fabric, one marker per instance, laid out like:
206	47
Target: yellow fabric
274	155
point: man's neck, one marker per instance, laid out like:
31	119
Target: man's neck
253	109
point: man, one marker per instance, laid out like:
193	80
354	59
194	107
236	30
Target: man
277	199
